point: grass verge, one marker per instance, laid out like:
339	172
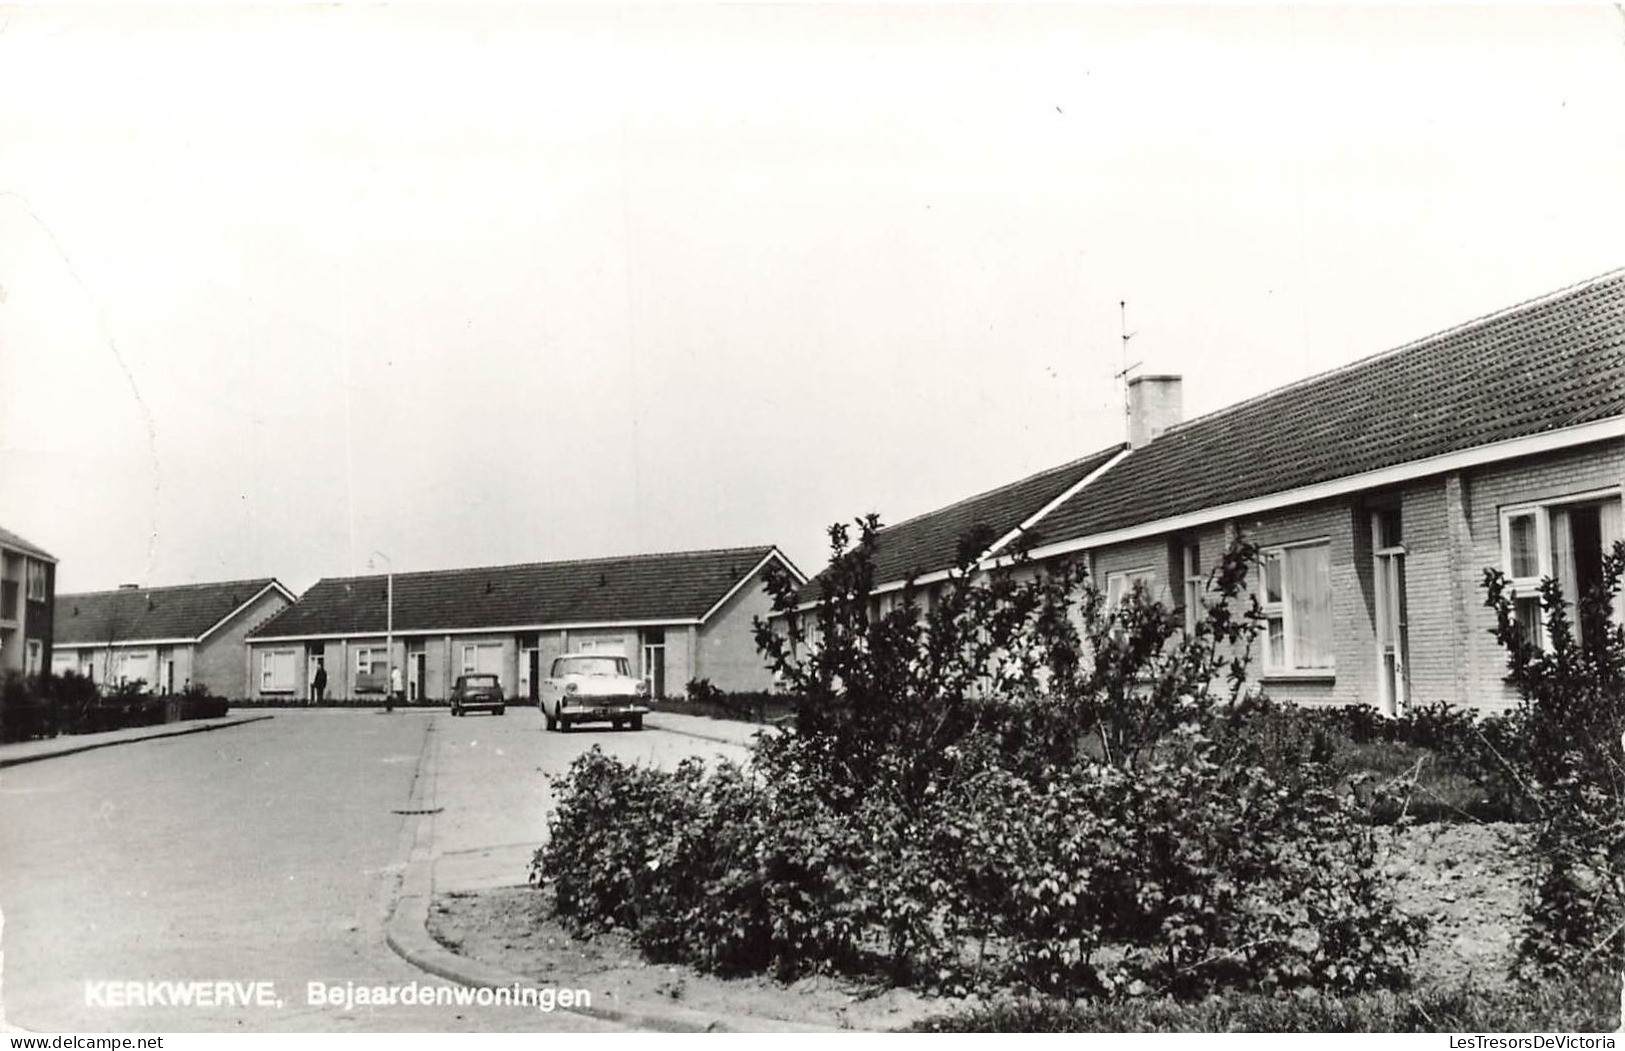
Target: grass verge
1468	1007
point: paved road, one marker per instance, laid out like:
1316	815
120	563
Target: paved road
267	852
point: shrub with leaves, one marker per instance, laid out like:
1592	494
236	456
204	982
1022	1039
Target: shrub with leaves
1013	784
1571	766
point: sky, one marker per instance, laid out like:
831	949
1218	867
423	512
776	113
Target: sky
304	291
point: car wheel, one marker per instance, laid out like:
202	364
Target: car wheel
547	717
501	709
637	722
455	711
615	724
564	724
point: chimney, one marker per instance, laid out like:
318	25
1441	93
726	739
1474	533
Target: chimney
1155	404
129	587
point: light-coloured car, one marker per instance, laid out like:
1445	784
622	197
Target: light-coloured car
592	687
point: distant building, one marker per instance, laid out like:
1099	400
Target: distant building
27	590
1379	493
168	637
676	617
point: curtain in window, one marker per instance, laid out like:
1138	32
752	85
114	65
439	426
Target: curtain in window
1564	567
1612	521
1308	580
1612	515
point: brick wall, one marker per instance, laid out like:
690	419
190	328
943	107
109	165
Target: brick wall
1486	491
219	661
725	646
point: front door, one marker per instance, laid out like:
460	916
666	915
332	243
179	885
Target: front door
654	663
1388	578
417	675
534	663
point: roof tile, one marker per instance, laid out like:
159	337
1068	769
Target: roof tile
133	614
674	586
1548	364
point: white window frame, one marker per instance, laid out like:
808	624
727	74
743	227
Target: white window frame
269	682
471	657
35	572
1120	585
1526	588
1288	665
365	659
1194	584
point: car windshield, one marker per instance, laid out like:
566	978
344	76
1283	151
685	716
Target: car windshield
594	666
479	680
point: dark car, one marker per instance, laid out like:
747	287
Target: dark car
477	693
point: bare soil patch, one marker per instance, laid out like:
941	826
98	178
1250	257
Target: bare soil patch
1464	878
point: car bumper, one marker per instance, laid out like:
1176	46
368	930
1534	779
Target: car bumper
603	708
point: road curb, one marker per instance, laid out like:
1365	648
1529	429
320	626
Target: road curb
715	738
172	730
406	931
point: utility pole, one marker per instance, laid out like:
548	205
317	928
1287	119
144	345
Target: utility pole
389	630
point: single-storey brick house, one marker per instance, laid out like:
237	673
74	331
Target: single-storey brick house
169	637
1379	493
27	592
676	616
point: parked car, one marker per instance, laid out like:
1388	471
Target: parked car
477	693
592	687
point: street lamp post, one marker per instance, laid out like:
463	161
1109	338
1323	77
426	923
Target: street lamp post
389	629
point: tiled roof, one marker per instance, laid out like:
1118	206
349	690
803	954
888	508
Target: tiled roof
133	614
17	543
1548	364
930	542
678	586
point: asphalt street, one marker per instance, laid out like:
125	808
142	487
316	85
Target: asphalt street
269	852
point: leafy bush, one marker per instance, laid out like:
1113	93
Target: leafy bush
688	863
1571	765
700	697
1014	785
46	705
24	714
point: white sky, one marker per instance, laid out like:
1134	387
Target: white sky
283	286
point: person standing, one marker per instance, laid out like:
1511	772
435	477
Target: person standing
318	682
395	688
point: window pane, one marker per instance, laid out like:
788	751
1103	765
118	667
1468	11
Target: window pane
1308	582
1521	542
1527	612
1275	653
1272	578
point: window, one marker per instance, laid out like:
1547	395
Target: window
1563	539
35	657
36	581
276	671
137	666
371	660
482	658
1120	585
1185	561
1297	606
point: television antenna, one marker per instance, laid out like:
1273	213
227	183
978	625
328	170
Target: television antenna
1122	318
